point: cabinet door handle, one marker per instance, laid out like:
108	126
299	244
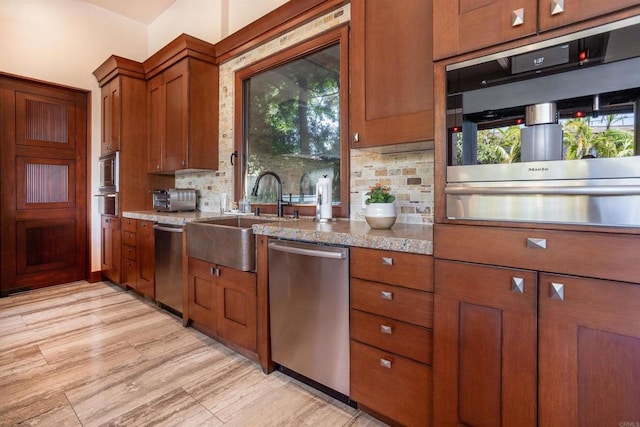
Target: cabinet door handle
387	260
535	243
386	295
517	285
385	329
517	17
356	137
556	291
234	154
557	7
385	363
184	162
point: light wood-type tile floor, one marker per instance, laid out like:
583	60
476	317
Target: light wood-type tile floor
86	354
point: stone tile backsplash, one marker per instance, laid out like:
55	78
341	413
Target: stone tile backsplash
410	175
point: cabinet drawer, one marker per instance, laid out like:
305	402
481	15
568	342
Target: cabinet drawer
396	268
129	252
144	226
392	385
407	305
600	255
392	335
129	238
129	224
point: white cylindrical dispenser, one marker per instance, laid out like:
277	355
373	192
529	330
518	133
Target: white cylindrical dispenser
323	199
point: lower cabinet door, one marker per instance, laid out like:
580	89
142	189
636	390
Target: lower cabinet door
485	346
202	295
129	272
392	385
237	307
589	352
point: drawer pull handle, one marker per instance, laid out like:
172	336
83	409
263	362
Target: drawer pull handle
557	6
517	285
517	17
534	243
386	329
556	291
386	295
387	260
385	363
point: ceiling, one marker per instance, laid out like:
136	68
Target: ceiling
145	11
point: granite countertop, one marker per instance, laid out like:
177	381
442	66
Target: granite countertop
412	238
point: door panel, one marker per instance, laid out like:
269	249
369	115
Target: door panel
589	348
484	345
43	191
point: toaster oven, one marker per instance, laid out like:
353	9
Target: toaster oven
174	200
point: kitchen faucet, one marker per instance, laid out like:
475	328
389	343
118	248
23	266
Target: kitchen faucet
281	202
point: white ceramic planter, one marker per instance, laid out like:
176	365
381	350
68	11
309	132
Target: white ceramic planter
380	215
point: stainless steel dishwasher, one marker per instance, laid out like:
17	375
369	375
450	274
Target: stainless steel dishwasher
309	311
168	252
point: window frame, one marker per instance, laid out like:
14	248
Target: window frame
338	35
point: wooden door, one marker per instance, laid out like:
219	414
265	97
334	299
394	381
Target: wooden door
237	307
157	115
111	117
589	352
553	15
484	345
467	25
43	136
202	295
176	83
391	72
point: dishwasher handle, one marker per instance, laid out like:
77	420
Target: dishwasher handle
318	253
169	228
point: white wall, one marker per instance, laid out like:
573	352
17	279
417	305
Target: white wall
209	20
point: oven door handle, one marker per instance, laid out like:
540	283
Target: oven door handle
113	195
608	190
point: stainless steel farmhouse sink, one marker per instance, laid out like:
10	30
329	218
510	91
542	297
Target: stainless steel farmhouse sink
225	241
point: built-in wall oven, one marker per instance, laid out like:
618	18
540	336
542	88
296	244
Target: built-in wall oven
108	188
548	132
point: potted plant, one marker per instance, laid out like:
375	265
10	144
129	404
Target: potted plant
381	211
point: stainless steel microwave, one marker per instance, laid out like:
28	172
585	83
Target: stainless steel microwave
548	132
109	169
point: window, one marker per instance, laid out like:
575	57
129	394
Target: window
292	121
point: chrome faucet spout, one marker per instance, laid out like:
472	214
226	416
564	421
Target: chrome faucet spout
280	203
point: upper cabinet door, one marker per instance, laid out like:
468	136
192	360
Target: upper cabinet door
391	72
557	13
111	117
468	25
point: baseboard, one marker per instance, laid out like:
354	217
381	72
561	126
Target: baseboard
95	276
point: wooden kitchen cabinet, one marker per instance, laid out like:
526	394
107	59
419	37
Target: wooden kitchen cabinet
146	257
202	296
138	256
553	16
391	73
465	26
237	307
129	253
587	330
110	248
589	351
124	128
223	304
183	107
485	345
391	327
111	117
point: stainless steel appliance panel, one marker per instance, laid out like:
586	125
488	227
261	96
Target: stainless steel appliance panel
309	308
109	170
168	265
108	204
174	200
